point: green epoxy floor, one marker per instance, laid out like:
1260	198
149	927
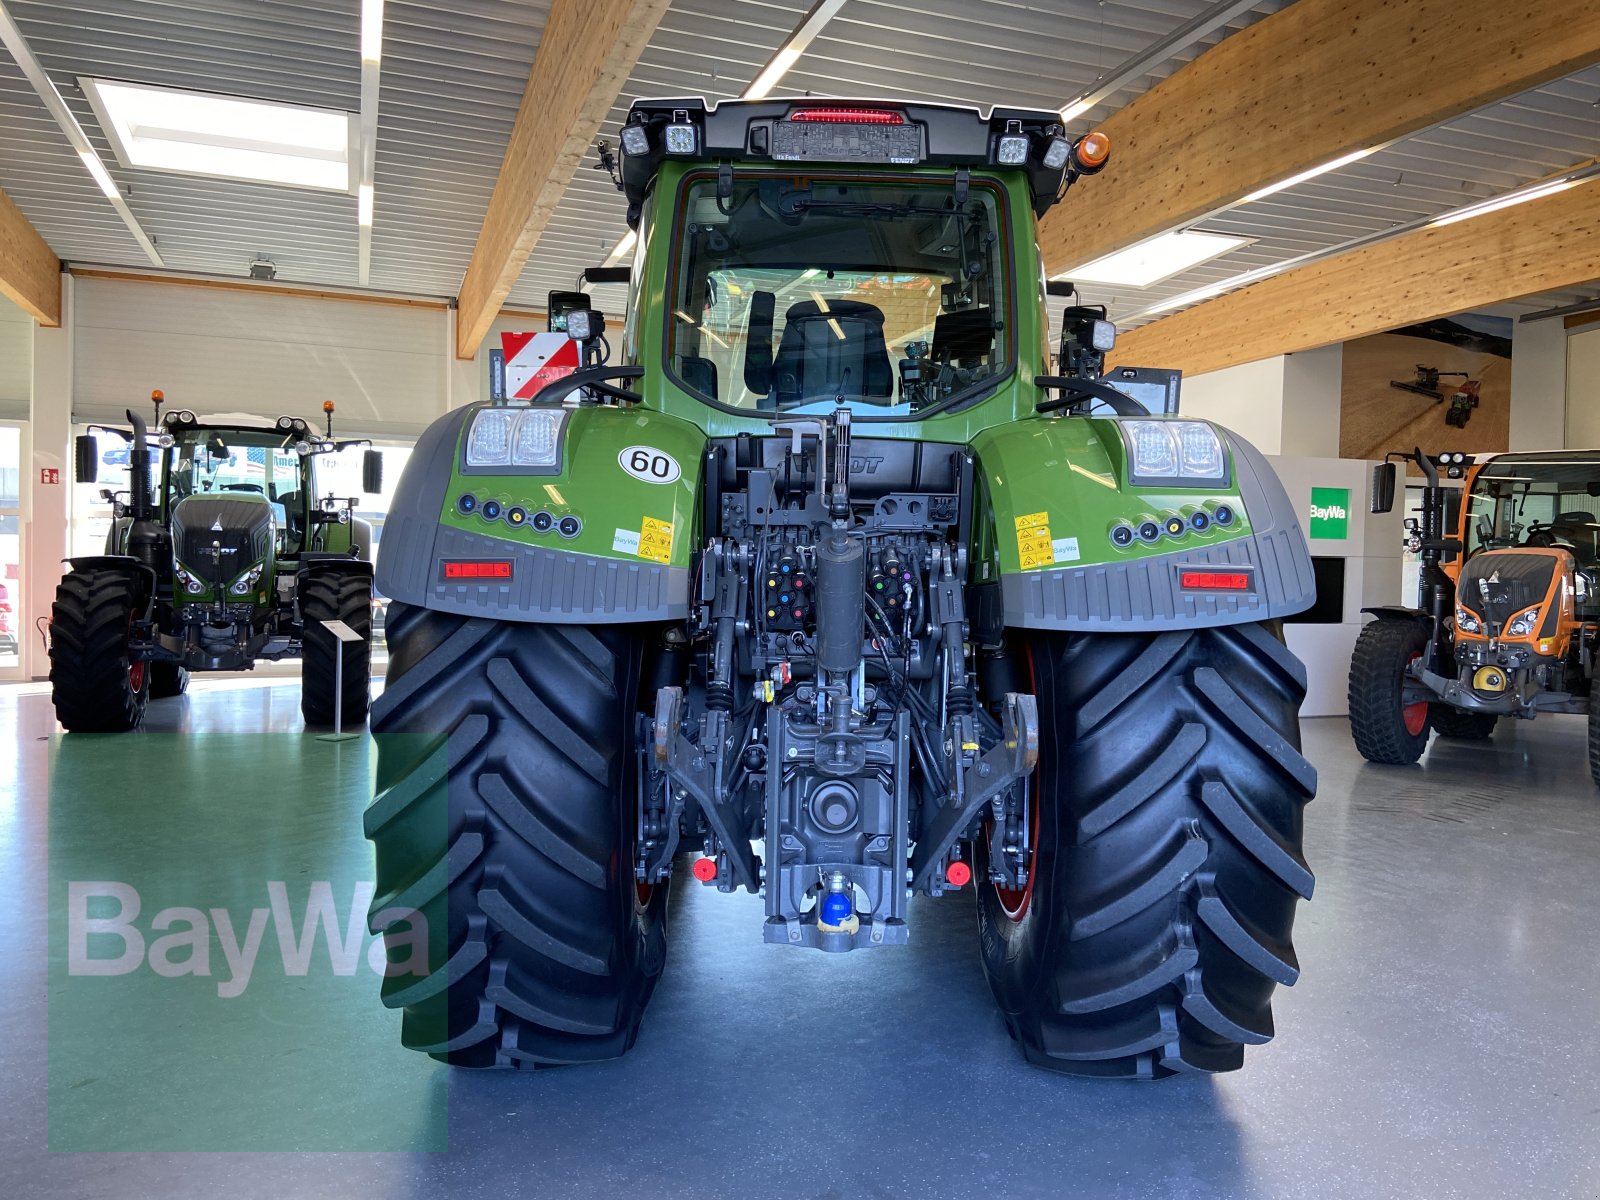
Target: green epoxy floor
1436	1046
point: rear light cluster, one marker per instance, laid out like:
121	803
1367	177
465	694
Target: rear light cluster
477	569
1215	581
848	116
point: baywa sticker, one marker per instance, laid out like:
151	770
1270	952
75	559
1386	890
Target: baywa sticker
650	465
1037	548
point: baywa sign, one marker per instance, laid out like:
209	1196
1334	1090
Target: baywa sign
177	941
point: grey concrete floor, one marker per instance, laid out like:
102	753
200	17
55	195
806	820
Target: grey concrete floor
1437	1045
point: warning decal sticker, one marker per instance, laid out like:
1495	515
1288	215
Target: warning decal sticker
1034	541
655	540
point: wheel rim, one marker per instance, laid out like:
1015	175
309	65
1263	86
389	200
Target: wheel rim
1414	715
1012	902
136	670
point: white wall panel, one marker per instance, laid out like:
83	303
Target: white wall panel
16	361
1583	389
215	350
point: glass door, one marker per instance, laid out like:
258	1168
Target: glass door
10	551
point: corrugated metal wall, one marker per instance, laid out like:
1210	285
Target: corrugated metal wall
230	351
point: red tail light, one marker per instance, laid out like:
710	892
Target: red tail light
1218	581
477	570
848	116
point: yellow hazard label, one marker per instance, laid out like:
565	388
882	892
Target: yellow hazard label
1034	544
655	540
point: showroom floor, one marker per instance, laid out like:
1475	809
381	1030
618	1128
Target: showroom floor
1436	1045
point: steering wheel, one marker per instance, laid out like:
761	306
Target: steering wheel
1542	536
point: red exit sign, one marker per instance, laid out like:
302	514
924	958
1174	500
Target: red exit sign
49	474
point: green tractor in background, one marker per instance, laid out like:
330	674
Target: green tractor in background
826	583
231	560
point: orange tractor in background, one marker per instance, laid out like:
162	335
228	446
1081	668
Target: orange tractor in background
1508	610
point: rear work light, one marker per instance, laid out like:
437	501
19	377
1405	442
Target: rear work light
1216	581
477	570
848	116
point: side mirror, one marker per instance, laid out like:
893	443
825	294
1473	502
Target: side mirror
86	458
608	275
1059	287
372	472
1383	479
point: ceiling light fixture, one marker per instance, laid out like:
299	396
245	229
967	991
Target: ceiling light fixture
1531	192
1283	185
364	206
28	63
1155	259
371	31
789	53
201	133
1496	203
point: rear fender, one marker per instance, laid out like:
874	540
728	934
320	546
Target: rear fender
627	487
1057	491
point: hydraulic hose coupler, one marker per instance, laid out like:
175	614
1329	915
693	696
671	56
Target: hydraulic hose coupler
841	590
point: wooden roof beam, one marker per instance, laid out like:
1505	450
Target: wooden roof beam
586	53
1547	244
1310	84
30	272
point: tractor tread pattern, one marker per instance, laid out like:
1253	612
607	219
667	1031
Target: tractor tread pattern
1463	726
501	765
330	594
89	662
1167	876
1377	666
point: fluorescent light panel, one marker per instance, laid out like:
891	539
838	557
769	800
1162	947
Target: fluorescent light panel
1496	203
625	246
371	31
1155	259
789	53
200	133
1284	185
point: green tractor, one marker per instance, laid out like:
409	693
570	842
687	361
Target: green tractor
826	584
228	559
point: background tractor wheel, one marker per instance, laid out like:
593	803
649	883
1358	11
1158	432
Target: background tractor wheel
1594	739
96	685
1385	730
167	679
329	594
1166	861
1456	723
506	814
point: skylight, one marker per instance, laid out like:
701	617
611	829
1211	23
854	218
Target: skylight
199	133
1155	259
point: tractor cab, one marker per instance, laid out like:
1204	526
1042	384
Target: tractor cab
1540	501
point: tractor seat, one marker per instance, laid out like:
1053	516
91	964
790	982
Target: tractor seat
832	349
1581	531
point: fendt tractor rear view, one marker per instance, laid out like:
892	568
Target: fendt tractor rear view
221	553
815	575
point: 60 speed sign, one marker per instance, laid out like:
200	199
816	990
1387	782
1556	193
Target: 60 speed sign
648	464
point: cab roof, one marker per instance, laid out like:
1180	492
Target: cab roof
837	132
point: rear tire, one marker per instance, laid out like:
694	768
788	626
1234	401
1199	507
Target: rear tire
167	679
96	685
506	815
332	594
1463	726
1167	855
1385	730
